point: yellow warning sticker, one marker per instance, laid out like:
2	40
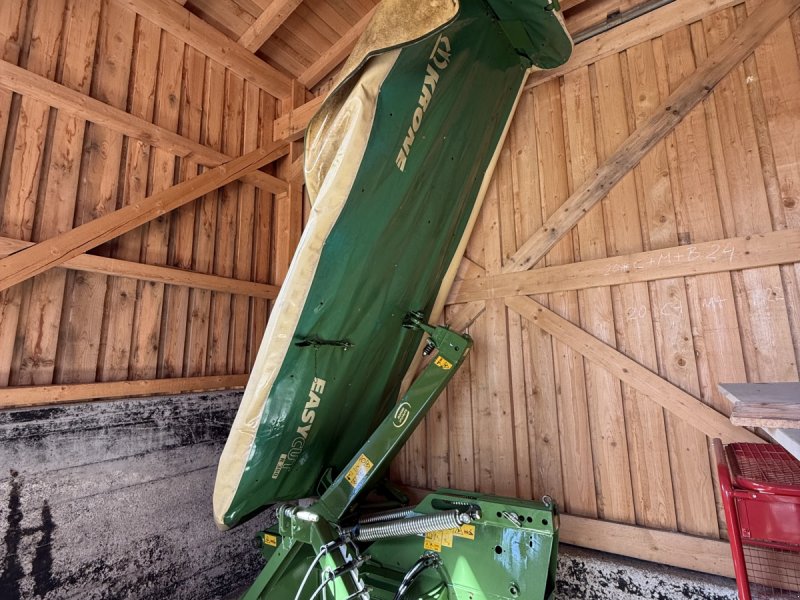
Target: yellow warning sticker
359	470
270	540
433	541
436	540
447	538
465	531
443	363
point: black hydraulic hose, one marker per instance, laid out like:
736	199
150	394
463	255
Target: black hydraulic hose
426	561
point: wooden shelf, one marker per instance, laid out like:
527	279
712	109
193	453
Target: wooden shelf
764	404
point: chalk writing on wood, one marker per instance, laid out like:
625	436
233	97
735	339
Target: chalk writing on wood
689	254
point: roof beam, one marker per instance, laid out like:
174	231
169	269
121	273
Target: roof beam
667	18
334	55
267	23
168	275
55	251
192	30
26	83
645	28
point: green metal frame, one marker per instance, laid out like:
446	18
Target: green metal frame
384	444
511	556
511	553
380	449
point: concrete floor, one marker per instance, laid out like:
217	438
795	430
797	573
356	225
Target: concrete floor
588	575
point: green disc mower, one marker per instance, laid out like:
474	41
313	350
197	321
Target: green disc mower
397	162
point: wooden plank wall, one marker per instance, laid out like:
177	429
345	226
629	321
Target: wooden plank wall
58	171
529	415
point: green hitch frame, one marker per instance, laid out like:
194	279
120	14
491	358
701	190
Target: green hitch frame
314	526
374	457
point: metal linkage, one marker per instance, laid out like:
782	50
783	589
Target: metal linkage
450	519
389	515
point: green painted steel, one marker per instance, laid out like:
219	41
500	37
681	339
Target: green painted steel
390	248
507	554
505	560
384	444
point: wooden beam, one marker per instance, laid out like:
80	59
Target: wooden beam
26	83
169	275
735	254
192	30
672	16
568	4
267	23
292	126
334	55
775	405
693	90
662	547
664	119
684	406
38	395
52	252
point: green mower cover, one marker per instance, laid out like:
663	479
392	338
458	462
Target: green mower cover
397	162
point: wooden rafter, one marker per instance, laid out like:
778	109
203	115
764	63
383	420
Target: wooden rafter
169	275
267	23
292	125
12	397
683	405
192	30
733	254
334	55
26	83
52	252
667	18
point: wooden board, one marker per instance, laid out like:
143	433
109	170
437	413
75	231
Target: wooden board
109	110
659	333
764	404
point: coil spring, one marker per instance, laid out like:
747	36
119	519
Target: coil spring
450	519
389	515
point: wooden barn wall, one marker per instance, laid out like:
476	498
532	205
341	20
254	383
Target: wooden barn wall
58	171
529	415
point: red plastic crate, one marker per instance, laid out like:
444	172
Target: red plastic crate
760	486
